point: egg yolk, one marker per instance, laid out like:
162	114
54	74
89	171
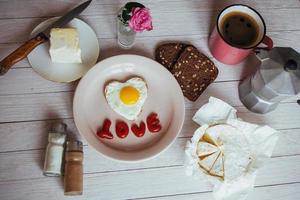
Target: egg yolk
129	95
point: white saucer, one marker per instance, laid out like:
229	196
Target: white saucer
41	62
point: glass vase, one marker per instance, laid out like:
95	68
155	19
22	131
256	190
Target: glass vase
126	36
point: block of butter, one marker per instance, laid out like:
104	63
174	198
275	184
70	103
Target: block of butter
64	45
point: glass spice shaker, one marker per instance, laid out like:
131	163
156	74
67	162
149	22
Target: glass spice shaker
73	180
55	150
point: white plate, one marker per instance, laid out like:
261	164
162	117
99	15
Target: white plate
164	97
41	62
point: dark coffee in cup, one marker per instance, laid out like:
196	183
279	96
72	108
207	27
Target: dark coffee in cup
239	29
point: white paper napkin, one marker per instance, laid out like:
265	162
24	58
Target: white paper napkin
215	111
261	142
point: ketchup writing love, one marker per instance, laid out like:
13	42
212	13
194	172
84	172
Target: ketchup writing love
139	131
122	129
104	131
153	123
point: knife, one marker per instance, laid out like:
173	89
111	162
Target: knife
21	52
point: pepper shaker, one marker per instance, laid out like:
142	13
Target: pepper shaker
55	150
73	180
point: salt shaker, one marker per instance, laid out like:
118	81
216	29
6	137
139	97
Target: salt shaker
73	180
55	150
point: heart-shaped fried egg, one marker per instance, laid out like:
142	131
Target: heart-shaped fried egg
127	98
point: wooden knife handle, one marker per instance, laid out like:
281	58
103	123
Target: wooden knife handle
21	52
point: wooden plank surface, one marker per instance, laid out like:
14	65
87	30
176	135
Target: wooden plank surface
103	7
13	133
108	47
17	30
144	183
33	159
29	104
281	192
16	81
59	105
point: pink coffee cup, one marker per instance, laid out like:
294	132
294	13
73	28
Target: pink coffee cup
229	53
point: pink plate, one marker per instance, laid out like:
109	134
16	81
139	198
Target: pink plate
164	97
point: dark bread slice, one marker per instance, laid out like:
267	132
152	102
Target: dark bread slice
194	72
167	54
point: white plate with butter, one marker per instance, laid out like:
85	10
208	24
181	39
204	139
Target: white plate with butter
41	62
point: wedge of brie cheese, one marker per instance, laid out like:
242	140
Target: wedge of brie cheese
212	137
204	148
235	151
64	45
218	167
208	161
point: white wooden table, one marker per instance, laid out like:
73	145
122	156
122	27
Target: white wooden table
29	104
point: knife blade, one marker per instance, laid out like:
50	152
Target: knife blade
67	17
21	52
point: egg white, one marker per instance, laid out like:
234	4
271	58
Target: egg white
112	95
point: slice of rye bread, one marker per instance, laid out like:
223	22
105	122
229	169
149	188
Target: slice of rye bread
167	54
194	72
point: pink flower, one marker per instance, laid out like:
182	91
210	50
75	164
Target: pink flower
140	20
